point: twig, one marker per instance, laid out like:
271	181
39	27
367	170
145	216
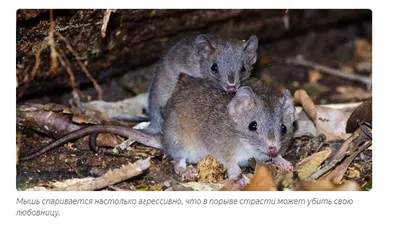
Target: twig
42	46
54	54
299	60
87	73
65	63
111	177
349	147
108	179
106	18
28	78
286	20
337	174
334	161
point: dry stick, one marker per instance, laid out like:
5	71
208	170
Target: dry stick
337	174
54	54
112	177
43	45
87	73
106	18
65	63
286	23
299	60
345	146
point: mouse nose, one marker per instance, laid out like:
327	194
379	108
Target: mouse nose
272	151
231	89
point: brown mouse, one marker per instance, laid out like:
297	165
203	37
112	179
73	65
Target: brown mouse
200	120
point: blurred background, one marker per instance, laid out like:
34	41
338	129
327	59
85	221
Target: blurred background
119	48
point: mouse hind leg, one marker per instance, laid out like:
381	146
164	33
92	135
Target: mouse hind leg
185	173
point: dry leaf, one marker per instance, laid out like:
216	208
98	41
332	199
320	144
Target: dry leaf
210	171
199	186
307	167
108	140
231	185
364	49
326	185
262	180
328	121
80	118
331	122
314	76
127	109
348	93
347	69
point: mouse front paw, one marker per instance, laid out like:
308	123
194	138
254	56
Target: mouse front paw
283	163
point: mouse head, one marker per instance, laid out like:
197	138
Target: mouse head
265	123
226	61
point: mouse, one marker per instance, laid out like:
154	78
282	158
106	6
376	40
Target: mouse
254	122
223	60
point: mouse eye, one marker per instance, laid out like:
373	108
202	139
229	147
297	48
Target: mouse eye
253	126
243	69
214	67
283	129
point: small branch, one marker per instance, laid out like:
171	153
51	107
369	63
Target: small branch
28	78
106	18
65	63
299	60
337	174
108	179
286	20
54	54
83	67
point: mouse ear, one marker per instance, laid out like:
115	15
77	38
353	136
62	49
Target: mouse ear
250	49
243	101
288	107
204	46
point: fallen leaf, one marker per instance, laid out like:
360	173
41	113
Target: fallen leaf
69	145
128	109
231	185
364	49
262	180
314	76
200	186
81	118
347	69
353	172
210	171
108	140
326	185
348	93
306	167
156	187
330	122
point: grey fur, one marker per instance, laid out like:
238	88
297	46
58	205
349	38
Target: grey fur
195	56
201	120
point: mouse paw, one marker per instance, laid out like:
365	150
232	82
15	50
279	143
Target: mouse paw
188	174
283	163
242	180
